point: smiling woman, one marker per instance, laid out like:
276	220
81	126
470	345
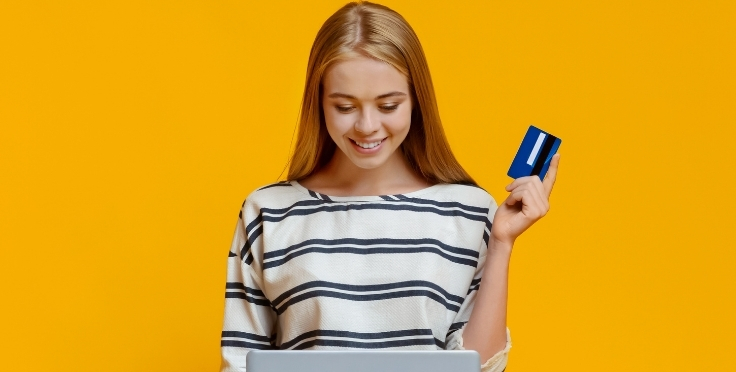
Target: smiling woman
367	120
388	47
367	111
378	239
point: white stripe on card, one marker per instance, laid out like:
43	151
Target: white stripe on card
535	150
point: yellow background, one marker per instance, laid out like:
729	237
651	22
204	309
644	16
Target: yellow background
131	131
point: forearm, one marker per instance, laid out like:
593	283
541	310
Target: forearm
485	331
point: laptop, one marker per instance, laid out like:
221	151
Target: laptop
362	361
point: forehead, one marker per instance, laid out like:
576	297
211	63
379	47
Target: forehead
363	77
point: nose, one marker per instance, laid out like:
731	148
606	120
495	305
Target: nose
368	122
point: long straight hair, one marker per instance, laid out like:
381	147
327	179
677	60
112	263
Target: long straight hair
364	28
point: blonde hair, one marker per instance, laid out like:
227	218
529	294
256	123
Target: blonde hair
364	28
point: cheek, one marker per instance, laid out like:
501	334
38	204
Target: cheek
337	124
400	122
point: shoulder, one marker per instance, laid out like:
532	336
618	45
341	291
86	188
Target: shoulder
467	194
273	195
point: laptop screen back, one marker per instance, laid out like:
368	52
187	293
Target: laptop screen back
362	361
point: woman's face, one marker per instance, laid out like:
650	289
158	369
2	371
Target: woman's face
367	108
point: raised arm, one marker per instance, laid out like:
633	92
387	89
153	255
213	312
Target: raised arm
527	202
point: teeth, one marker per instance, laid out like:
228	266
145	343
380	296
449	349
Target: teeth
368	145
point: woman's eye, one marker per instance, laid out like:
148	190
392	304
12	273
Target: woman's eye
344	108
389	107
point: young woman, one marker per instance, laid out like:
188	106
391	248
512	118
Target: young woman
379	239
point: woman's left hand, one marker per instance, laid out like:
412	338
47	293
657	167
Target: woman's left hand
527	202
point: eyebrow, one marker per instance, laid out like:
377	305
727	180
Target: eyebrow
343	95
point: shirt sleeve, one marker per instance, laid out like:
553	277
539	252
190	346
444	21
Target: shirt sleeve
249	320
454	339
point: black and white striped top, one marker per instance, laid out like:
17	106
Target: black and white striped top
311	271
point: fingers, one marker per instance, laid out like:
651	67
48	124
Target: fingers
519	181
534	204
549	179
524	180
532	192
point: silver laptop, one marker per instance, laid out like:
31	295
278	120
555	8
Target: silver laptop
362	361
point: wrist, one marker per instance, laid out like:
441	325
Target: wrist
497	247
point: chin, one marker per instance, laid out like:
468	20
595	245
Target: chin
368	164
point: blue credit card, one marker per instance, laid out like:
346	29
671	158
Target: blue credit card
534	154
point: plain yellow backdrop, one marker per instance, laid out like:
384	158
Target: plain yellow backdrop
131	131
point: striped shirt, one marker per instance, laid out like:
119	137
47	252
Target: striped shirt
311	271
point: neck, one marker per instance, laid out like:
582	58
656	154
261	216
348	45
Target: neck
392	177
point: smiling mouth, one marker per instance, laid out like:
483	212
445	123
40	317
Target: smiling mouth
367	145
